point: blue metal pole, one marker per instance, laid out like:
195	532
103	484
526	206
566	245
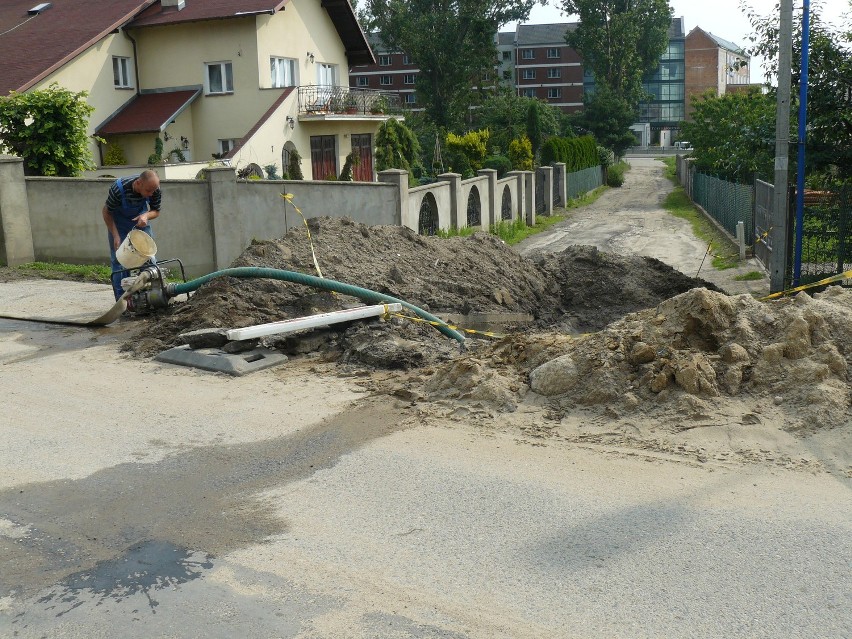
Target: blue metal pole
800	161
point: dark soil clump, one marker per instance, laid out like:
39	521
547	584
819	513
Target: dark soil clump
579	289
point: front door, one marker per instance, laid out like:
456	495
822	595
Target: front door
323	157
362	148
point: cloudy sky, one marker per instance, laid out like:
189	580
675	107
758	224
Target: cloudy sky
722	18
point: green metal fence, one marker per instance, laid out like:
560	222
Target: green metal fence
826	234
583	181
726	202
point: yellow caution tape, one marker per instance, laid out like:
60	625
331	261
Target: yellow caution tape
288	197
845	275
762	237
455	328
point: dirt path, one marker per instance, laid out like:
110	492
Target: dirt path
631	221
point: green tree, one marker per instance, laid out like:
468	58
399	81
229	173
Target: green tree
620	41
534	127
397	148
733	135
607	116
505	115
47	128
829	139
450	42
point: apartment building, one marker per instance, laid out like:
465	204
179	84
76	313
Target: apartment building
537	62
546	67
393	71
713	63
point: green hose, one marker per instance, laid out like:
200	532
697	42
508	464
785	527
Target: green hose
317	282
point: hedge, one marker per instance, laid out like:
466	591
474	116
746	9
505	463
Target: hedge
577	153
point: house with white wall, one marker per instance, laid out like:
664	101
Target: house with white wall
245	81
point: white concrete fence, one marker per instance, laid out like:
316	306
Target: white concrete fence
207	223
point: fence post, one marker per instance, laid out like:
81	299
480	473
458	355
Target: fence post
457	220
547	189
491	174
561	185
399	178
16	233
520	188
228	230
741	239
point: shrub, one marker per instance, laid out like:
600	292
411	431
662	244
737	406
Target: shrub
271	171
346	173
577	153
114	156
473	145
294	167
499	163
520	154
615	174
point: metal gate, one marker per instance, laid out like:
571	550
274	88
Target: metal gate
506	205
428	219
764	195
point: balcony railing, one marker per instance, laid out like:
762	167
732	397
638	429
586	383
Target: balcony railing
319	99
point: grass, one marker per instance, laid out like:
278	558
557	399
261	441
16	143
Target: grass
725	253
61	271
750	276
670	171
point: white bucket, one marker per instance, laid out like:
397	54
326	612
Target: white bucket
136	249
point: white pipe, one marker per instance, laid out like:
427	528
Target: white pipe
312	321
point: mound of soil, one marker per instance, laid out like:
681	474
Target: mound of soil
577	290
698	361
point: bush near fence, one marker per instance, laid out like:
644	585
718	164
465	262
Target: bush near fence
577	153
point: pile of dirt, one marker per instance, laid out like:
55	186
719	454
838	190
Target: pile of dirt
577	290
740	370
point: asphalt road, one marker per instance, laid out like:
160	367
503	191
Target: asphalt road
139	499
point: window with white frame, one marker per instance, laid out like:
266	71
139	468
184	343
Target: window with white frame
326	75
384	60
529	74
121	72
554	92
553	52
385	80
507	75
363	81
406	60
283	72
527	54
507	55
554	72
410	98
225	146
529	93
408	78
219	78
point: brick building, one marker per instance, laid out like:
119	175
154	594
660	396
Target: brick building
393	71
713	63
536	61
546	67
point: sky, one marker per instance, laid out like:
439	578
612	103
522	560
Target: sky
722	18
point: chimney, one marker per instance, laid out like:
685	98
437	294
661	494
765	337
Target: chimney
180	4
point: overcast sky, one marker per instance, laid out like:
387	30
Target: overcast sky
722	18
